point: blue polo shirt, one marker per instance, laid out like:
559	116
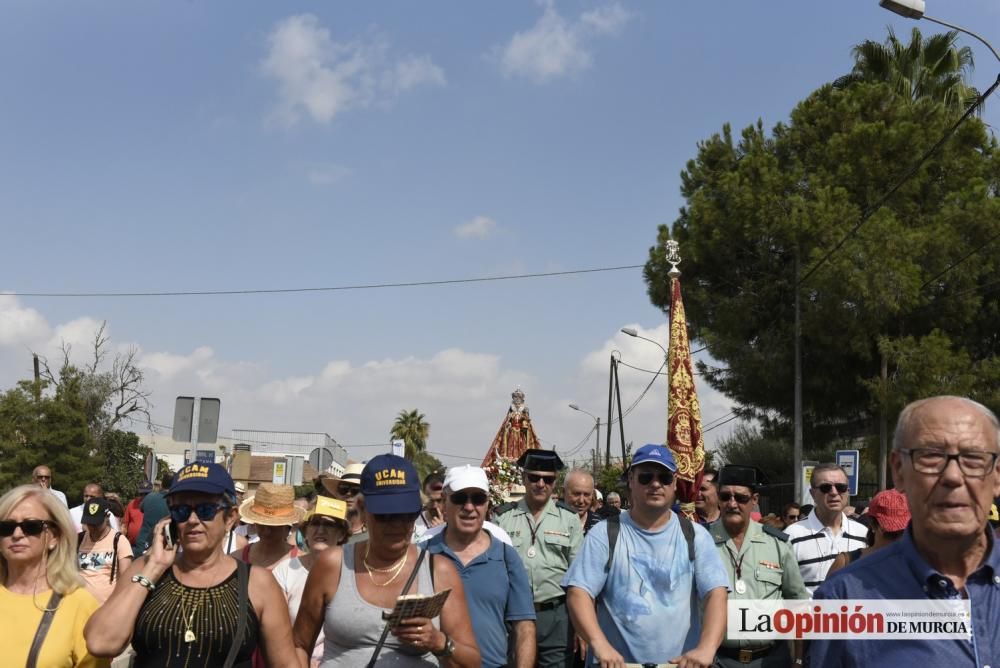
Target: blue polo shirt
899	572
496	590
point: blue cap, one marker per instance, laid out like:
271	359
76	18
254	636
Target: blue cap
204	478
390	486
657	454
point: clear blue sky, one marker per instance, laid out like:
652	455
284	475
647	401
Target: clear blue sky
230	145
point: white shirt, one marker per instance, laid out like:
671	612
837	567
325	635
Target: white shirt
816	546
76	512
497	532
60	496
291	576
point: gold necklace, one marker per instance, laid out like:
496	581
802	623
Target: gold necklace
189	636
399	569
391	568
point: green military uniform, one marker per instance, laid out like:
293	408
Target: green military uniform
763	567
547	547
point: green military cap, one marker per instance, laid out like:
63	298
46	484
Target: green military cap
540	460
742	476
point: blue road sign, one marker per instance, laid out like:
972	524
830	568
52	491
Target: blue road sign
850	461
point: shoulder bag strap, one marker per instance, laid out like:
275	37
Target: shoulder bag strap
43	629
243	582
406	588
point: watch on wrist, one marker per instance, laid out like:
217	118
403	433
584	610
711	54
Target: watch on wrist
449	648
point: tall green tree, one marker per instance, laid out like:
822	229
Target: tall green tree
932	68
413	429
759	204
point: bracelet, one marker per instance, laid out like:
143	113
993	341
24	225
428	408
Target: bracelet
142	580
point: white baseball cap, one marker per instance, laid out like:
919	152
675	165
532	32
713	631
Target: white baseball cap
465	477
599	495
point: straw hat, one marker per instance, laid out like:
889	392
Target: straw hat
273	506
352	475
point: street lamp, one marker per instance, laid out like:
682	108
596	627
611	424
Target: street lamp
914	9
597	427
631	332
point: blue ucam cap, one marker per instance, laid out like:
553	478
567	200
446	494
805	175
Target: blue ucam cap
204	478
656	454
390	486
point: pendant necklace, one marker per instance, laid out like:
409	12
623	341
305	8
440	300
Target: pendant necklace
189	636
534	534
741	586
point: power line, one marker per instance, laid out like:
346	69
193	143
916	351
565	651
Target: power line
870	211
339	288
961	260
716	426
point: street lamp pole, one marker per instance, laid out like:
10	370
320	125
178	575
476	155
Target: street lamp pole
597	428
914	9
631	332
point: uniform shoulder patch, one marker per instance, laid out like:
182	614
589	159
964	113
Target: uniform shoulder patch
507	507
777	533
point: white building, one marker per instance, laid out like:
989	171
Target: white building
324	453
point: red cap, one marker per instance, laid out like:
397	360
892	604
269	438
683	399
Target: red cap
891	510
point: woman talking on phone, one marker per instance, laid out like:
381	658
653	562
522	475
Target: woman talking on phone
43	602
349	588
195	607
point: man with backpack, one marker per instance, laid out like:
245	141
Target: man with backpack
649	571
103	552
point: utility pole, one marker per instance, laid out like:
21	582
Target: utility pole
883	426
797	442
38	377
597	442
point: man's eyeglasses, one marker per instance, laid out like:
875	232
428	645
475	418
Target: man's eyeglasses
405	518
646	477
973	463
827	487
205	512
348	490
741	499
547	479
42	477
462	498
28	527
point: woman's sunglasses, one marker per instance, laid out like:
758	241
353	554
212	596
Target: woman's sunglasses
646	477
348	490
206	512
741	499
462	498
28	527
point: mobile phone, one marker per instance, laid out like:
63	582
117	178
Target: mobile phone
170	535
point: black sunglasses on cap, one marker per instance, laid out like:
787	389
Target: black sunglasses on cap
740	498
827	487
28	527
462	498
646	477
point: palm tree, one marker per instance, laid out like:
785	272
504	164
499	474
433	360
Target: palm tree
411	427
925	68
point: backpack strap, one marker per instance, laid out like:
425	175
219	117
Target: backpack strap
43	629
114	557
687	528
243	584
614	523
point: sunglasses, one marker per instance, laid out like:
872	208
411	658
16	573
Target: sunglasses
826	487
462	498
324	524
405	518
740	498
793	518
43	477
205	512
28	527
547	479
665	477
348	490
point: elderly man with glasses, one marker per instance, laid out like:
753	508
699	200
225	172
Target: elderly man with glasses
828	531
546	535
944	458
650	573
42	476
496	585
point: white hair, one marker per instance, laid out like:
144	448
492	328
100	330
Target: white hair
906	417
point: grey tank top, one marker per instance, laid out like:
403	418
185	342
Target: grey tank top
353	626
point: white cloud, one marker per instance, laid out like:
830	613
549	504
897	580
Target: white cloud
479	227
322	78
555	47
20	325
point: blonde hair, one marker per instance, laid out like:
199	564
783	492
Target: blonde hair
62	568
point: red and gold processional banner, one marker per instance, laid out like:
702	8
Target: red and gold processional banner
684	437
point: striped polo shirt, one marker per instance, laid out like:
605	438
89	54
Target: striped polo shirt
816	547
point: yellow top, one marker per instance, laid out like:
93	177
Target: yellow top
64	646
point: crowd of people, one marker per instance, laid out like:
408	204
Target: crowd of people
378	568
